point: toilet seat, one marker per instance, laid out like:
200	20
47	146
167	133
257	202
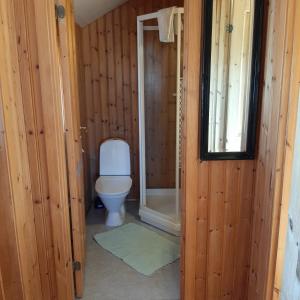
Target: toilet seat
113	185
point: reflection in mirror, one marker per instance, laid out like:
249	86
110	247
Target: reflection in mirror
230	74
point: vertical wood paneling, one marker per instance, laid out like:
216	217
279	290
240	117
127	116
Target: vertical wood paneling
28	59
118	71
202	232
236	250
2	296
217	197
66	29
280	91
41	200
132	14
17	187
111	73
51	92
193	282
110	60
267	168
35	246
83	116
95	79
266	164
11	277
103	76
215	229
218	200
290	146
88	100
229	196
38	194
128	133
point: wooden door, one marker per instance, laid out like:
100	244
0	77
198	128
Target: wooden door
19	269
83	117
67	49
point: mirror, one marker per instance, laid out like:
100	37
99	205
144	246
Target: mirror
230	78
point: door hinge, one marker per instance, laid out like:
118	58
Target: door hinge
60	11
76	266
229	28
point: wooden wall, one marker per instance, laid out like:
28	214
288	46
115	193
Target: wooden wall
11	271
31	92
83	119
290	146
232	209
110	75
218	197
9	266
71	117
290	287
35	244
21	271
280	93
227	251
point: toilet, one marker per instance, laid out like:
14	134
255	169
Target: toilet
114	182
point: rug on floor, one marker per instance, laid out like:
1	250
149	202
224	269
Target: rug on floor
143	249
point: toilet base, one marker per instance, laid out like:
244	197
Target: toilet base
114	219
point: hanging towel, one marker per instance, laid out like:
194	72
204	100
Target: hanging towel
165	20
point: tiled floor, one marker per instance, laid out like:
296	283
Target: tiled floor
108	278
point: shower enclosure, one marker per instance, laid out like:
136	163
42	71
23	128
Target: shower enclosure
160	119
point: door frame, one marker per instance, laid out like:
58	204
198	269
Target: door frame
69	78
51	77
287	145
190	161
52	101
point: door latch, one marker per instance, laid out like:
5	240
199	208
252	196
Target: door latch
76	266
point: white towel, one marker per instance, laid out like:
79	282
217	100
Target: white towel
165	20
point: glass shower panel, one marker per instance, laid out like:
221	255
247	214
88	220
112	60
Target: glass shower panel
160	67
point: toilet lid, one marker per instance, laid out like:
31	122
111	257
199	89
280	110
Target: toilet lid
113	184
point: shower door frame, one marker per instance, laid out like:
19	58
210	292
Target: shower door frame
147	214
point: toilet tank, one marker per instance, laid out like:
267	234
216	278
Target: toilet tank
114	158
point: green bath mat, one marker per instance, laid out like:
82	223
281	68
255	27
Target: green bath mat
141	248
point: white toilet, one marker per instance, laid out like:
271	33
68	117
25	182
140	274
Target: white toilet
114	182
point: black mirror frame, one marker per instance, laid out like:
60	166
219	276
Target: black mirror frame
254	87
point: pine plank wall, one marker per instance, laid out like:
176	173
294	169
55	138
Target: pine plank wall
108	89
279	98
231	208
218	197
35	228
